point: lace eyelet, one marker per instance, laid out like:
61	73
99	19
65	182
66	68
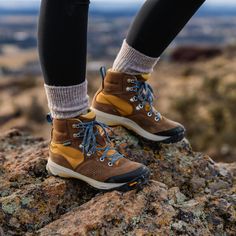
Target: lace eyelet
149	114
102	159
89	154
110	164
135	99
75	135
141	106
131	81
157	119
74	126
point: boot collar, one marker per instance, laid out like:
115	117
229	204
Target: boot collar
117	82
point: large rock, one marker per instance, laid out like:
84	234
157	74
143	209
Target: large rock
191	54
188	193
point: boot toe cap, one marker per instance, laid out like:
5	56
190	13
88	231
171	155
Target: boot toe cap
173	131
141	172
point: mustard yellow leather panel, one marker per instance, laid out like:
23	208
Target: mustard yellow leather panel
73	156
121	105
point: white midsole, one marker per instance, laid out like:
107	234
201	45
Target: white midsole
129	124
61	171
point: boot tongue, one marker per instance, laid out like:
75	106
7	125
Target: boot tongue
143	77
89	116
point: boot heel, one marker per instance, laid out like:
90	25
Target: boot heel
53	170
105	118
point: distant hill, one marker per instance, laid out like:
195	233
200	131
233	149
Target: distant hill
217	11
119	10
109	23
21	11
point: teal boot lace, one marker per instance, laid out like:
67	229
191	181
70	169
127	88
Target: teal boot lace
144	94
89	144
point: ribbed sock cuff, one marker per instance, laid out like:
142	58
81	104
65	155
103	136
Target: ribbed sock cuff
131	61
67	101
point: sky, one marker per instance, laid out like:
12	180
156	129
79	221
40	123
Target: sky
30	2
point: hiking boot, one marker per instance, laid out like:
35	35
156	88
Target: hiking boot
127	100
80	148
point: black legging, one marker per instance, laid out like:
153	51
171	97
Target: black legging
62	34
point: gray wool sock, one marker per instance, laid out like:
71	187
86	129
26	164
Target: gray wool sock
131	61
67	101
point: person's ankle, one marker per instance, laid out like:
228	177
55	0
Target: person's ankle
67	101
131	61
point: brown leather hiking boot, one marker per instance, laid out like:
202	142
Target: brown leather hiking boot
80	148
127	100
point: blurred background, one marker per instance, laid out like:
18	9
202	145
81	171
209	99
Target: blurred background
195	80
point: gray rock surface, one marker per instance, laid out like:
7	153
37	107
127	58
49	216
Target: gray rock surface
188	193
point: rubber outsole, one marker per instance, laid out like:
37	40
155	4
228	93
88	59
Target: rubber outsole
113	120
174	139
136	183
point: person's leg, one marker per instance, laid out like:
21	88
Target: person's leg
126	98
154	28
62	43
79	147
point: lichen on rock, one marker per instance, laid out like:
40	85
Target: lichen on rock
188	193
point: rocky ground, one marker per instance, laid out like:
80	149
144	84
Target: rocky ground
188	193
